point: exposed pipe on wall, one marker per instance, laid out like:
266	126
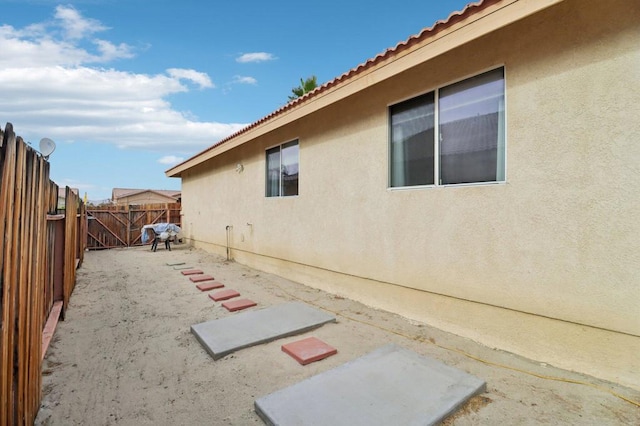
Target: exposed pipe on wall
228	228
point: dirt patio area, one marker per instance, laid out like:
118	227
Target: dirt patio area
125	354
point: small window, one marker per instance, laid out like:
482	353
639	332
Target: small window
282	170
467	145
412	136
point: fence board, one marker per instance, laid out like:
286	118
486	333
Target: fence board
70	235
7	280
24	277
34	376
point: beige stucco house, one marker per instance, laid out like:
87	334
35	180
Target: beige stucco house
130	196
482	177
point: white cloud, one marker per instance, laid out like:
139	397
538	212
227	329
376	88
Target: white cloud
74	25
199	78
71	183
170	160
56	42
109	51
50	88
239	79
20	50
255	57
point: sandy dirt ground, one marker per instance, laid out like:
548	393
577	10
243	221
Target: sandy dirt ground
125	354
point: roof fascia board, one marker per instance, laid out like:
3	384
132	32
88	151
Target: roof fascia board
162	194
130	193
472	27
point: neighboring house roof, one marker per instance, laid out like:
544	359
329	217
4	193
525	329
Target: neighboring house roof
490	15
62	191
62	196
118	193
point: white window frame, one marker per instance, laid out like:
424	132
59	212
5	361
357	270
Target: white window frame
280	184
437	180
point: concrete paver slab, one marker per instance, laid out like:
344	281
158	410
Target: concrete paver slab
309	350
175	263
390	385
226	335
192	272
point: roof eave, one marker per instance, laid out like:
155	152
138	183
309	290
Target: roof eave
476	20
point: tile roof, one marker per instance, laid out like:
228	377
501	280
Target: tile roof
62	191
127	192
453	19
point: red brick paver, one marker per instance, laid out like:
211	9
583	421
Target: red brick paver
192	272
209	286
309	350
224	295
236	305
200	278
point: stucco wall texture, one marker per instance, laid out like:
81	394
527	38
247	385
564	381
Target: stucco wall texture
545	265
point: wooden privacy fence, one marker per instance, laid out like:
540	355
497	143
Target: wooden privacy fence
38	258
120	226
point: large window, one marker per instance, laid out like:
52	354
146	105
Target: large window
282	170
466	146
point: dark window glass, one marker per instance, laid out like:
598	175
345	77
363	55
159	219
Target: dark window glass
282	170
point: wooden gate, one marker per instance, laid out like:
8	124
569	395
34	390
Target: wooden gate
120	226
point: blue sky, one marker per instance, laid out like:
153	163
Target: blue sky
129	88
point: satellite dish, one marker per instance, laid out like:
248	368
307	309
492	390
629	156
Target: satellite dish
47	146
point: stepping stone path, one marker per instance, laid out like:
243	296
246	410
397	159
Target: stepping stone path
309	350
231	333
199	278
224	295
389	386
209	286
237	305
